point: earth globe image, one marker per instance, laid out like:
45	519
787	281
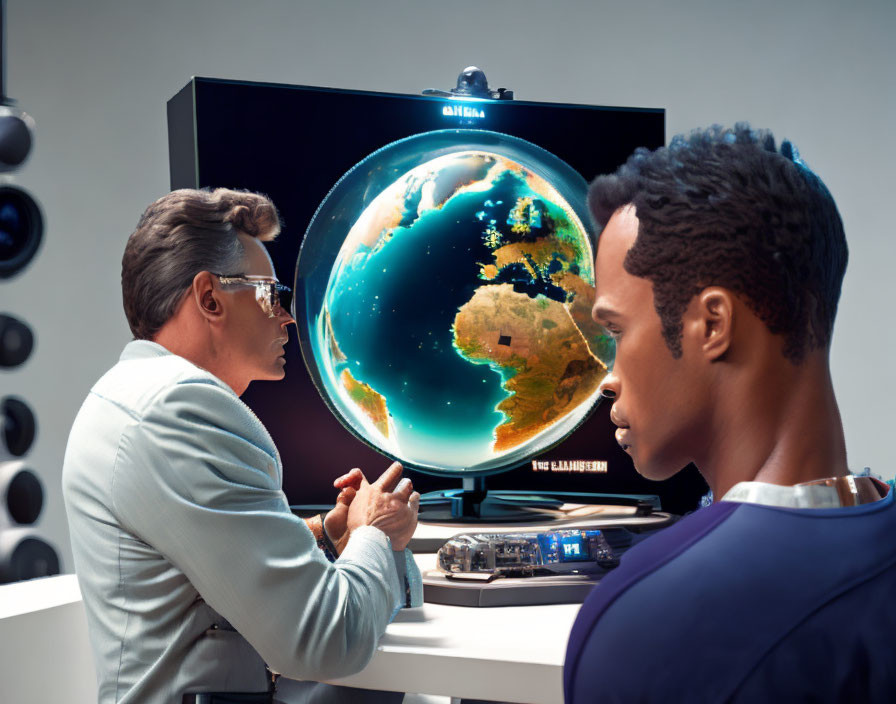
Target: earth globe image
443	298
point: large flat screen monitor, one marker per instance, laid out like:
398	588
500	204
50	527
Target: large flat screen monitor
295	143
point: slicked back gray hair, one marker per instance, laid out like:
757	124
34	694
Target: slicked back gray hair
180	235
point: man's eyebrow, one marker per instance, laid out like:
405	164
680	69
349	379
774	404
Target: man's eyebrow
604	313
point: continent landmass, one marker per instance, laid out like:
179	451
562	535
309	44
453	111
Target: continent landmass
579	301
335	351
505	329
371	403
423	189
540	253
537	256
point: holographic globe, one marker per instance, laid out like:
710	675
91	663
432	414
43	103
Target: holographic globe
443	296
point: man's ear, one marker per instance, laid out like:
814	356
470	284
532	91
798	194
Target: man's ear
206	296
715	314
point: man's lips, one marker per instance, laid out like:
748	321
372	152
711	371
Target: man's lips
615	419
622	432
282	344
623	439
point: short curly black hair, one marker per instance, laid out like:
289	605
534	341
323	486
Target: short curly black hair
723	207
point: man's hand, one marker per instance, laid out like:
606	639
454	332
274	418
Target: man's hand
336	521
388	504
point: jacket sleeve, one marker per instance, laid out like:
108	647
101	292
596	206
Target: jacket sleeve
198	478
409	578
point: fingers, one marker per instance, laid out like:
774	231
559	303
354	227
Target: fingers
404	489
353	478
346	496
388	479
344	479
414	501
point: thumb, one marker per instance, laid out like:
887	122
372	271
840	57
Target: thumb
336	517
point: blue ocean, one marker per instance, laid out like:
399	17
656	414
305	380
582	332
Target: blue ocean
392	318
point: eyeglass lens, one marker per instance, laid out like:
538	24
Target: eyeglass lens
278	301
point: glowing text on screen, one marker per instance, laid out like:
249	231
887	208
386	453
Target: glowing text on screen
466	111
573	548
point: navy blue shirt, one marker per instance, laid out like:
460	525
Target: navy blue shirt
746	603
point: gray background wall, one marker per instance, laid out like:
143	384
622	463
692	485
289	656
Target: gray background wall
96	75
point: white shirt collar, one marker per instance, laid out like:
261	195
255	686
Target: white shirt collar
834	492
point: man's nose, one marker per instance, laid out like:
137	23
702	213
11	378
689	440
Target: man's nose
609	387
285	318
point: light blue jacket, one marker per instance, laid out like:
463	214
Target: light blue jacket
193	570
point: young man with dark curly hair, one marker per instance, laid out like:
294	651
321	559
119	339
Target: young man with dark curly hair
718	273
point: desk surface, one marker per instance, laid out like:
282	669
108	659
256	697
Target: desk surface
508	653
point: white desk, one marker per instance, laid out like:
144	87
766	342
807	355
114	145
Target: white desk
511	654
506	653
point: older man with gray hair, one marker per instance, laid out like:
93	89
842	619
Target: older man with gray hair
195	574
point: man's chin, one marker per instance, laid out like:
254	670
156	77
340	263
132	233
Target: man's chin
273	373
655	471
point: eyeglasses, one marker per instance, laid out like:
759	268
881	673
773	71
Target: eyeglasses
267	291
